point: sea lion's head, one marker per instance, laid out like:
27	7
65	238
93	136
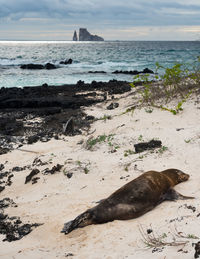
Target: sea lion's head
176	175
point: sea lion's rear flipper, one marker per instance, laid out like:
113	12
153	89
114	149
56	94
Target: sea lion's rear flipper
67	227
82	220
172	195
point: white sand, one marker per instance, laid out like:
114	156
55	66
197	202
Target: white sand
55	199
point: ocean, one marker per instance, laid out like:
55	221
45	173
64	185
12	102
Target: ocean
105	56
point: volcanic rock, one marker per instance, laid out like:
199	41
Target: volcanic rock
75	38
112	106
32	66
49	66
30	176
140	147
84	35
66	62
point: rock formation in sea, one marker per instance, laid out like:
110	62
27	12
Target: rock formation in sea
84	35
75	38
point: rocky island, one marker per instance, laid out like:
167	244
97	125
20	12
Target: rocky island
84	35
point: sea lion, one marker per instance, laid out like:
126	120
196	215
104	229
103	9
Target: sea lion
133	199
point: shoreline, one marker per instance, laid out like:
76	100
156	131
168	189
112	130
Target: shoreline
40	113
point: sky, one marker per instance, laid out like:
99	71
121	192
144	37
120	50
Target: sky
111	19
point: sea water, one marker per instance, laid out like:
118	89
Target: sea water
87	56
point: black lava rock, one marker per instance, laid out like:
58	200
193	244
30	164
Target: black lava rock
112	106
33	139
32	66
30	176
1	167
67	62
147	71
69	175
197	250
50	66
2	188
140	147
53	170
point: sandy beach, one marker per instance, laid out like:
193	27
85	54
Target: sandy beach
90	173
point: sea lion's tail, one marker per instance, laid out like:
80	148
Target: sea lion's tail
82	220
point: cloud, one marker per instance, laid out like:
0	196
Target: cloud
97	15
139	12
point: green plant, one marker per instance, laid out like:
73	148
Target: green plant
162	149
128	152
105	117
131	109
178	107
101	138
86	170
140	138
192	236
146	92
78	163
177	82
126	168
78	166
164	235
94	141
65	171
116	147
187	140
149	110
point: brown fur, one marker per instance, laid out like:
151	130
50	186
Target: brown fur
133	199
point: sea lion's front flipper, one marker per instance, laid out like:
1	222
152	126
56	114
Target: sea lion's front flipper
99	201
172	195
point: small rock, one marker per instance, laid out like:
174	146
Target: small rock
157	249
67	62
33	139
90	117
38	162
179	129
45	85
191	208
140	147
30	176
197	250
69	175
50	66
2	188
56	137
35	180
6	202
80	83
147	71
112	106
53	170
32	66
1	167
4	150
17	169
149	231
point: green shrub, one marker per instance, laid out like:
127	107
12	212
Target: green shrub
177	82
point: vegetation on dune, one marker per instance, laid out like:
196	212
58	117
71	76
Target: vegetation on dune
178	83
